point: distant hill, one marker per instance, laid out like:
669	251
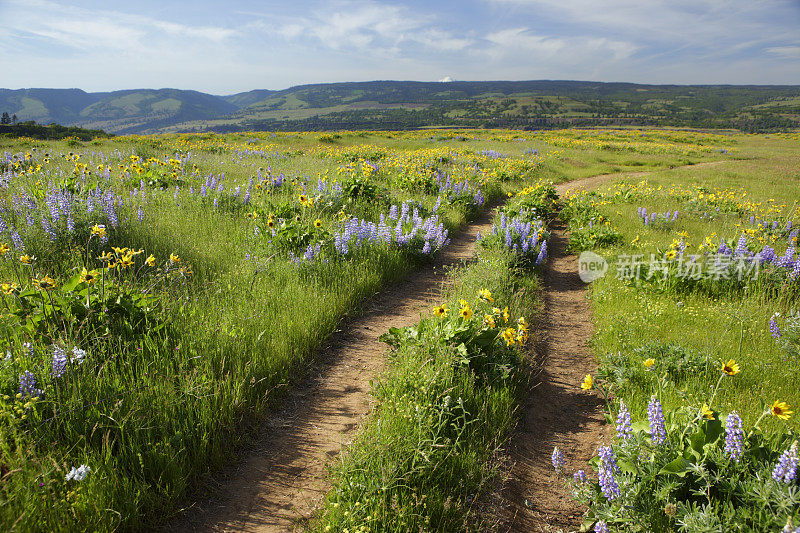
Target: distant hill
408	104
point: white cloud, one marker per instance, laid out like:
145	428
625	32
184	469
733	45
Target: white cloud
789	52
446	79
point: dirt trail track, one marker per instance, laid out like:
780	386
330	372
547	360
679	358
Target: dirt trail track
280	482
557	412
278	485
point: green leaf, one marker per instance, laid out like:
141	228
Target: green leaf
677	467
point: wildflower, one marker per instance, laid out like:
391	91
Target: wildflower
27	385
601	527
126	261
98	230
318	223
781	410
45	284
579	476
25	259
88	277
174	258
4	248
465	312
509	335
151	261
506	314
78	474
484	294
734	436
9	288
605	472
59	364
489	321
558	460
624	429
588	382
78	355
186	271
648	363
303	199
655	415
786	469
706	412
730	368
774	329
440	310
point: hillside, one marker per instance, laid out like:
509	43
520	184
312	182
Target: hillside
404	104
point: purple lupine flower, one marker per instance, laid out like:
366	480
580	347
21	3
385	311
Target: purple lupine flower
655	415
59	365
605	473
601	527
27	385
774	329
786	469
624	429
741	246
579	476
734	436
542	257
557	459
48	228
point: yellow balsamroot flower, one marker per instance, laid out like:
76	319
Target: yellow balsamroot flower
509	335
465	312
303	199
98	230
707	412
126	261
150	261
89	276
634	241
781	410
270	223
495	311
730	368
45	284
4	248
9	288
648	363
506	314
318	223
522	324
174	258
489	321
186	270
440	310
484	294
462	302
588	382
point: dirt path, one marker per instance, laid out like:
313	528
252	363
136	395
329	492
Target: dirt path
557	412
281	481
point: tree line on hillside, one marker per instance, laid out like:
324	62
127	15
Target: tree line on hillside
11	127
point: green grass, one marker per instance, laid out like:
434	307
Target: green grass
154	410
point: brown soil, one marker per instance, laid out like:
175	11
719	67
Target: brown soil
281	481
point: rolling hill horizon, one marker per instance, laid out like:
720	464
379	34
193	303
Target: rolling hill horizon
412	104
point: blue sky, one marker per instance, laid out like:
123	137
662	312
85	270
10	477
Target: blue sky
236	45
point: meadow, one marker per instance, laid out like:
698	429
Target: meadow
161	294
